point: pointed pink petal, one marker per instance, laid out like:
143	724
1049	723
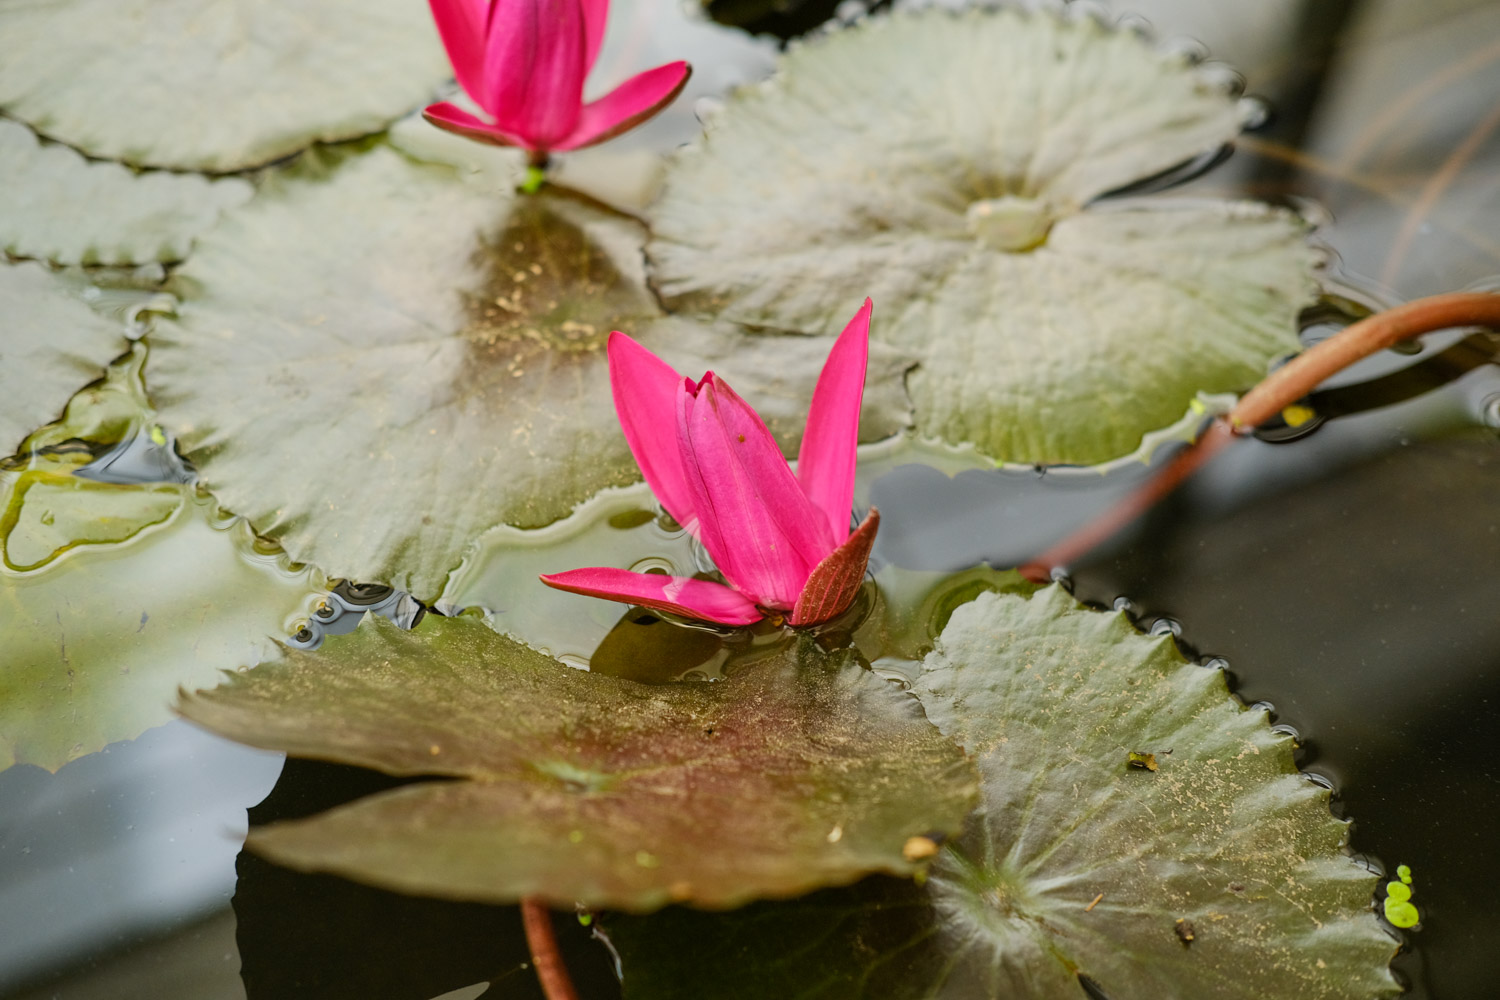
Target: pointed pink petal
595	17
628	105
833	584
646	389
757	524
680	595
451	118
534	68
460	24
825	463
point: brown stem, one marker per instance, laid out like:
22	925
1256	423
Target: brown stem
545	957
1306	371
1283	387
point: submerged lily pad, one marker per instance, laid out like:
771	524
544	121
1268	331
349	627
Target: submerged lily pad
947	165
800	771
63	208
218	86
51	344
98	639
1221	873
378	359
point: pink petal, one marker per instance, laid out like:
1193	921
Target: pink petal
460	23
646	389
757	524
702	599
451	118
833	584
595	17
825	463
534	68
636	100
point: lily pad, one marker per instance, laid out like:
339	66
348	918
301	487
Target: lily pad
51	344
800	771
62	208
949	165
99	637
1221	873
378	359
220	86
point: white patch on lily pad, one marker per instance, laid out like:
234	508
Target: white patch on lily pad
215	86
62	208
948	165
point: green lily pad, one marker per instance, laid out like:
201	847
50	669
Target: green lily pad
378	359
51	344
67	210
948	165
1220	874
800	771
218	87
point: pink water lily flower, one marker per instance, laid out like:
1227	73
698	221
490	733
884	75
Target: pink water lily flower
781	539
524	61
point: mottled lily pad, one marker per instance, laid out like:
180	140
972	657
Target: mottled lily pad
800	771
62	208
378	358
217	86
51	345
1220	874
949	166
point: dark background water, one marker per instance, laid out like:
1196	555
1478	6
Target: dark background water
1349	577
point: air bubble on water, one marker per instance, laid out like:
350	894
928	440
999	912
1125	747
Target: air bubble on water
707	110
1135	24
654	564
851	12
1263	706
1189	50
1080	11
1166	626
1216	663
1254	113
1282	729
1125	604
1060	576
1490	411
1321	780
574	661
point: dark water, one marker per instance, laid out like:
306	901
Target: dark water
1349	578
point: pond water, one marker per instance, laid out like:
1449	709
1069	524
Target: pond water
1346	575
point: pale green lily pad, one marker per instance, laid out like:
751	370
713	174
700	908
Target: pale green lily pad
218	86
799	771
51	345
378	359
99	638
62	208
1076	863
947	165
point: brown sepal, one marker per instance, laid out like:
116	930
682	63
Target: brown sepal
836	580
